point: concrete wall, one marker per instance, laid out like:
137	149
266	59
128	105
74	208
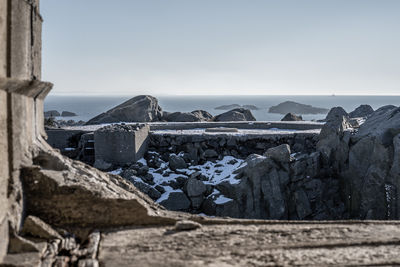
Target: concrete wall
21	105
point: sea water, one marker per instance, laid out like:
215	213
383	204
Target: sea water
88	107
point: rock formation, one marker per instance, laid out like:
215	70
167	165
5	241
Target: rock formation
336	113
51	113
143	108
292	117
362	111
234	106
68	114
296	108
196	115
238	114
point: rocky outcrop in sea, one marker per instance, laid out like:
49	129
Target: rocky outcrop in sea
296	108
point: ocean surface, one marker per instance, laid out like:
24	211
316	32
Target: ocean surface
89	106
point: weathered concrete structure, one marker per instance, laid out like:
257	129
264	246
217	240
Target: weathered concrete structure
21	108
121	145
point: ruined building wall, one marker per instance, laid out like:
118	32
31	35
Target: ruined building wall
21	104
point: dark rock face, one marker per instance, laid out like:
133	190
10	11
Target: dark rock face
361	111
372	176
51	113
280	153
176	162
292	117
143	108
336	113
176	201
239	114
68	114
296	108
197	115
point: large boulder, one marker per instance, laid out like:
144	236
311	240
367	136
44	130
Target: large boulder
177	201
372	179
336	113
202	115
143	108
194	116
292	117
334	138
361	111
68	194
176	162
279	154
238	114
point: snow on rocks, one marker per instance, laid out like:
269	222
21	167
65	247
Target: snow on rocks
184	188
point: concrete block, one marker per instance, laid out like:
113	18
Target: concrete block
3	36
21	40
121	144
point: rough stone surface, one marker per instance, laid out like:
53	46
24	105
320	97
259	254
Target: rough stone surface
336	113
121	144
143	108
70	194
280	153
292	117
177	201
361	111
176	162
238	114
197	115
272	244
35	227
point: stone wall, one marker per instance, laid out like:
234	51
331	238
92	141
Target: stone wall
202	147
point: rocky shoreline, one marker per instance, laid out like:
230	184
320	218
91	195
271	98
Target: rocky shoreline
319	182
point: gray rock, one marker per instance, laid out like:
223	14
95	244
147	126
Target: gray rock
176	162
194	187
51	113
292	117
177	201
128	173
186	225
279	154
146	189
239	114
202	115
102	165
143	108
303	208
210	153
336	113
361	111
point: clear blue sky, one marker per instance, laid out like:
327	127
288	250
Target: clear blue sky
130	47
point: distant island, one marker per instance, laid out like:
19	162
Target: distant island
296	108
233	106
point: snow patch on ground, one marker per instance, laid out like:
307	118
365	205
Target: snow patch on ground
168	190
116	172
